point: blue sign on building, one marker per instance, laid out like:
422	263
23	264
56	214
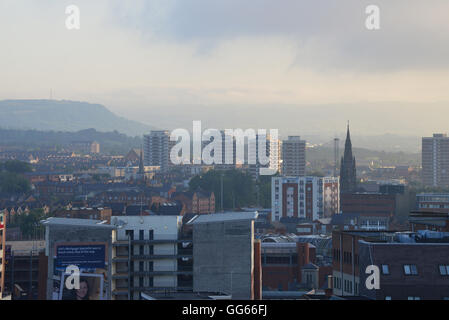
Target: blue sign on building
83	256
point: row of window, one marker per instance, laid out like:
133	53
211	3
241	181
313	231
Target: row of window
348	286
411	269
347	257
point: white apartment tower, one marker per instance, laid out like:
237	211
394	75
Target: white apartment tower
435	160
156	149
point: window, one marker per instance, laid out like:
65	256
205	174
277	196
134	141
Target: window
444	270
385	269
410	269
130	233
141	235
413	298
388	298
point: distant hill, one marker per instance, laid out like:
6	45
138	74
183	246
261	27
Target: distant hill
110	142
52	115
364	156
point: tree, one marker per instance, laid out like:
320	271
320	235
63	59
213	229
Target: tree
29	224
11	177
15	166
238	187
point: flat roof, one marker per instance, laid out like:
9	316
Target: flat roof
69	222
176	295
223	217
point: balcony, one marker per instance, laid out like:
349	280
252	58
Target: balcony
120	275
162	273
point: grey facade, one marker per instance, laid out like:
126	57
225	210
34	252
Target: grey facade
293	157
223	254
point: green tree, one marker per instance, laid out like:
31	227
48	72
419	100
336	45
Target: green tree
29	224
238	188
15	166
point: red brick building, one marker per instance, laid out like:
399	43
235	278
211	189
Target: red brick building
198	202
86	213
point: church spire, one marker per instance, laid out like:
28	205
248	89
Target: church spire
348	179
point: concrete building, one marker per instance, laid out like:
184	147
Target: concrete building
149	256
156	149
435	160
84	243
293	157
223	254
413	266
310	198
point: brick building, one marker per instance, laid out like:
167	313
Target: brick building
413	266
85	213
198	202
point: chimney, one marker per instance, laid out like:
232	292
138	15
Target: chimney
330	286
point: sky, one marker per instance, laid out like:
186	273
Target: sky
305	66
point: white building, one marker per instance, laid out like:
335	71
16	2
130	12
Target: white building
435	160
156	149
151	246
308	198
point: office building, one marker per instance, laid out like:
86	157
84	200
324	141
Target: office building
435	160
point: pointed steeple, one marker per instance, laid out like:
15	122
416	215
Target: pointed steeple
348	175
348	145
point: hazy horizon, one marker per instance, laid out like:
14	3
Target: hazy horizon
303	67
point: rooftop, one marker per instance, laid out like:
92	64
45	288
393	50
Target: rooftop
223	217
68	222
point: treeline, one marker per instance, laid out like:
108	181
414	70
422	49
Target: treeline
239	189
12	178
110	142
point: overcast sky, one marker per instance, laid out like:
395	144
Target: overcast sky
229	62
